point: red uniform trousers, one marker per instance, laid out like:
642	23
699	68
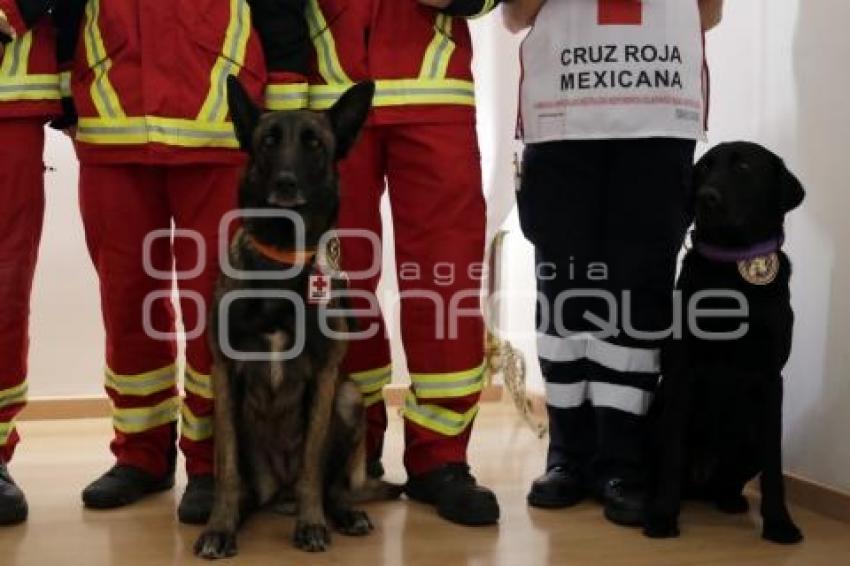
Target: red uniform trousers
121	206
21	216
434	180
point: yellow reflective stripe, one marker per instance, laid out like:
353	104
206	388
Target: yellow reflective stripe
130	421
329	65
32	87
142	384
438	419
485	9
198	383
102	92
287	96
372	380
153	129
229	63
195	428
16	57
439	53
401	92
6	431
13	395
65	84
447	385
373	399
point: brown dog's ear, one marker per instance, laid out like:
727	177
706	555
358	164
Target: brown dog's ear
791	192
244	113
349	114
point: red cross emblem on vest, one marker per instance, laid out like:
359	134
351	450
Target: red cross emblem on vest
319	289
621	12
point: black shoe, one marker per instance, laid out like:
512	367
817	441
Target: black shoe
197	501
375	469
456	494
13	504
123	485
559	487
624	504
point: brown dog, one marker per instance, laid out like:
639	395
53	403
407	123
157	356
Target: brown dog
287	423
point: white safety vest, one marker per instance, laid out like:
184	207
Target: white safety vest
599	69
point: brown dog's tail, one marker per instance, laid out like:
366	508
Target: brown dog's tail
375	490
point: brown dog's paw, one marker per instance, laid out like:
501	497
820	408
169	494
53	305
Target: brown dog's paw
312	537
213	545
781	532
353	522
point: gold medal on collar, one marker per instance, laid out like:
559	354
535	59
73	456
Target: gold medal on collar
760	270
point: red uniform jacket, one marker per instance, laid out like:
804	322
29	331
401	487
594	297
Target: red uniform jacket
420	58
149	78
29	81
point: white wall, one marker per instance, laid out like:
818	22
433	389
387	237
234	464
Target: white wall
780	77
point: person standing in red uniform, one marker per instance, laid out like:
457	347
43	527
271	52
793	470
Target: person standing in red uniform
29	97
160	166
420	142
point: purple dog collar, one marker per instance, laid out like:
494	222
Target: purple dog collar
734	255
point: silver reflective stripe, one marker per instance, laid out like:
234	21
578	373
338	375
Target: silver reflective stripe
425	91
13	395
326	54
17	88
566	395
620	397
145	130
566	349
445	43
580	346
625	360
16	57
430	385
435	417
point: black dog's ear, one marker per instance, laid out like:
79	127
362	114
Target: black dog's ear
349	114
244	113
791	191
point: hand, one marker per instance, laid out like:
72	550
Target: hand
436	4
5	27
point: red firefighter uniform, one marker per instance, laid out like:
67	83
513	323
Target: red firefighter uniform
29	96
421	143
156	147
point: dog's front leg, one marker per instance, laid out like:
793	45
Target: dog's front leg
219	537
311	529
665	489
778	526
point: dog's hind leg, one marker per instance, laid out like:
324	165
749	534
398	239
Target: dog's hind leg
219	537
778	526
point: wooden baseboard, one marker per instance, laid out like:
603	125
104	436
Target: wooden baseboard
802	492
64	408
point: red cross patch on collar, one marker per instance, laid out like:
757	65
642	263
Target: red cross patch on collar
319	288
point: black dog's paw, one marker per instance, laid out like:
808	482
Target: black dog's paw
733	504
661	527
781	532
216	544
353	522
312	537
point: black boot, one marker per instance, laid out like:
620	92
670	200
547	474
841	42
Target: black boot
123	485
624	503
559	487
197	501
456	494
13	504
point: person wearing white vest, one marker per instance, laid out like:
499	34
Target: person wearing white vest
613	99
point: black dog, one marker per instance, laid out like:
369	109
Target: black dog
286	427
718	415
